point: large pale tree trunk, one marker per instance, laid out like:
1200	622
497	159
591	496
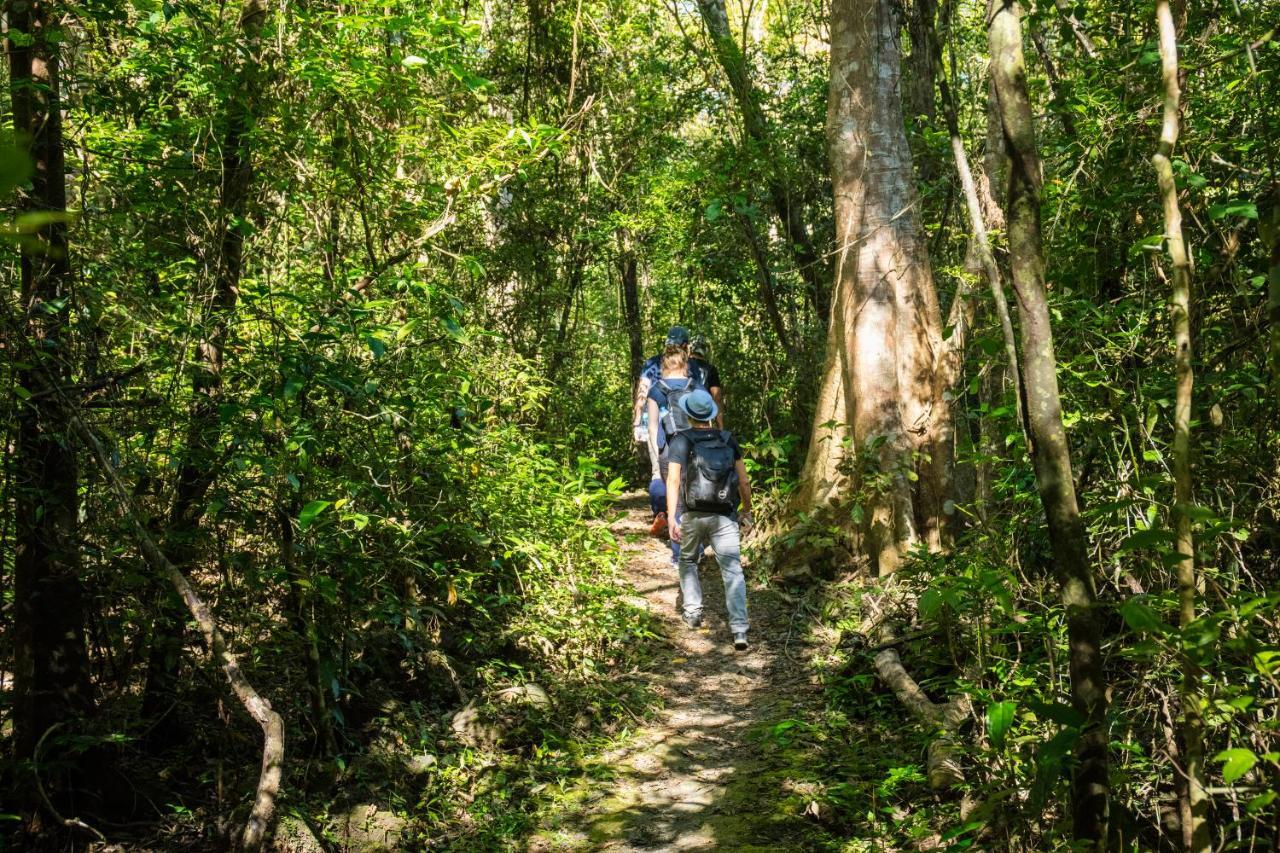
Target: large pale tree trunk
51	683
1050	452
788	208
1195	805
881	384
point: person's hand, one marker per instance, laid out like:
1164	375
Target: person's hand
673	530
746	522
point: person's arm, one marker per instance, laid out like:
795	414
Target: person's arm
642	394
653	437
715	395
745	518
673	499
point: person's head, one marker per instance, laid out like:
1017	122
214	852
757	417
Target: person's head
677	336
675	360
698	347
700	407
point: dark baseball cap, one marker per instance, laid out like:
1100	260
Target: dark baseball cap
677	336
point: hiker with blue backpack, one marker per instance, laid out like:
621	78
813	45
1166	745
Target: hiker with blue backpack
708	503
666	418
700	368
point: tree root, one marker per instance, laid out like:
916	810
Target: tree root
942	764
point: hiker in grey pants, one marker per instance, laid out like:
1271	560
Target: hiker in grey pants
705	451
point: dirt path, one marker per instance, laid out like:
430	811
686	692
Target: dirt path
714	769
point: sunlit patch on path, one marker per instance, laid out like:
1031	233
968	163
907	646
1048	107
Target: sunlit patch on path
700	775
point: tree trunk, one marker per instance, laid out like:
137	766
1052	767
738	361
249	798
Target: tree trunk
631	303
1269	226
885	339
51	676
198	468
1050	452
768	288
790	214
1195	826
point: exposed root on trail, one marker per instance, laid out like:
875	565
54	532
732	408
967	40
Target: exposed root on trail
943	765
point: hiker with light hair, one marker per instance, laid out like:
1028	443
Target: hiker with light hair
709	503
667	419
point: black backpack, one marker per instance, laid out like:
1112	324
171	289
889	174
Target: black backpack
711	481
673	416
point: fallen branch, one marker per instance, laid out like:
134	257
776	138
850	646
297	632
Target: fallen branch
942	765
259	708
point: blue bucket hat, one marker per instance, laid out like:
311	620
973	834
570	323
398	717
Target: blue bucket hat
700	406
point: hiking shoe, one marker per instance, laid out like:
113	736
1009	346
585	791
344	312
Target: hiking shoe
694	621
659	526
740	640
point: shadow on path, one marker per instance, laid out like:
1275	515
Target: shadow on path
720	766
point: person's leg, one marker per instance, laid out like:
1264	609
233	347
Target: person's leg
727	544
693	531
657	496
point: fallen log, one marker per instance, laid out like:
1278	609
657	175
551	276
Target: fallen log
942	764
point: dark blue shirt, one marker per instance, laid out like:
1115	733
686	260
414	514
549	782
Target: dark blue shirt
703	371
659	396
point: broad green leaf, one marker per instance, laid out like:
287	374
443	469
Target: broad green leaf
1236	763
1142	618
310	511
1245	209
999	719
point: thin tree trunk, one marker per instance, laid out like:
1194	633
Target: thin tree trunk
51	667
1055	83
1270	229
257	706
981	243
1195	826
197	469
1077	28
768	288
812	268
631	303
1049	448
302	607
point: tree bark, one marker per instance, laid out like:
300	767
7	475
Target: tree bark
1050	451
197	469
631	303
790	212
885	340
1195	826
51	675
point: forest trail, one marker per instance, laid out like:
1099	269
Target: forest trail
714	769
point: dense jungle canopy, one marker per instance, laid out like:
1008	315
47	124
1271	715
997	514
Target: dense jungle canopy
322	325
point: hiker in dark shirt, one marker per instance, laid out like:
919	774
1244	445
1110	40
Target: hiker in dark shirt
706	482
700	369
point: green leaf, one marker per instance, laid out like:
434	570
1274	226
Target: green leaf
15	168
1237	762
999	719
1057	712
1154	537
1245	209
310	511
1141	618
412	61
